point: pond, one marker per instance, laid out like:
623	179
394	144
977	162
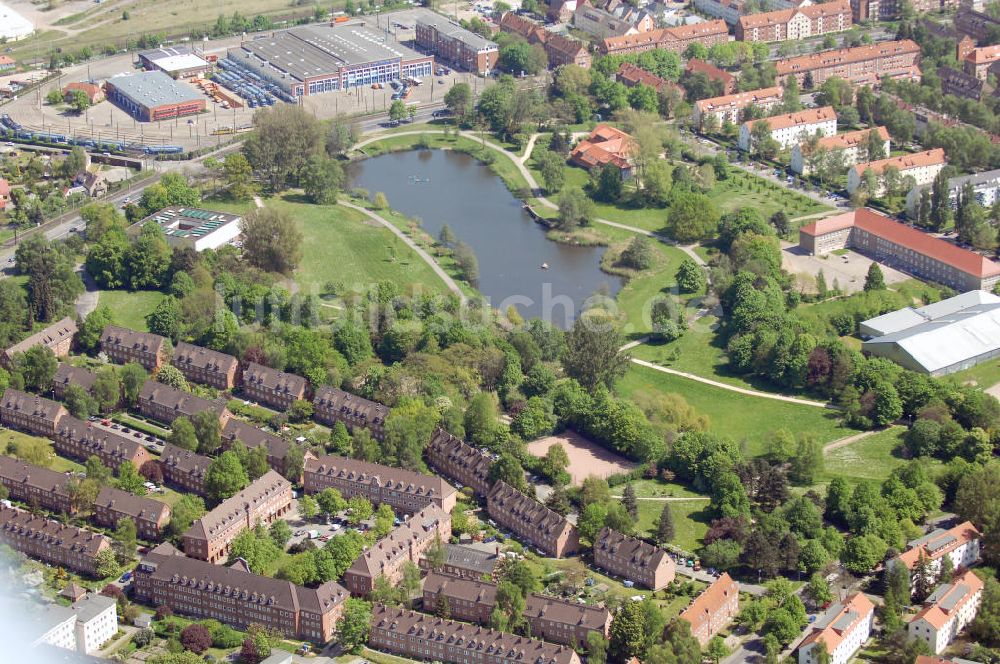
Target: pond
445	187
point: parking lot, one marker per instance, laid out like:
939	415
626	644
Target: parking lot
151	443
301	528
848	268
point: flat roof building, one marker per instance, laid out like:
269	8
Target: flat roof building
152	96
175	61
903	319
403	490
57	337
313	59
193	227
451	43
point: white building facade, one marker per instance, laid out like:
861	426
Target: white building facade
793	128
947	612
923	167
961	543
849	144
842	630
96	622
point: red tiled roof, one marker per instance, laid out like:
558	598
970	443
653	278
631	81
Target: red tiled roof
965	586
963	533
739	99
806	117
830	635
850	139
709	602
679	33
605	145
695	65
6	60
630	74
904	162
901	234
984	55
844	56
783	16
4	187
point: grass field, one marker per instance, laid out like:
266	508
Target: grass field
871	458
747	419
130	308
744	189
691	519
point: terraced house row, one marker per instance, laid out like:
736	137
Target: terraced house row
533	522
403	490
425	637
549	618
236	596
31	413
150	516
35	485
456	459
50	541
81	440
184	468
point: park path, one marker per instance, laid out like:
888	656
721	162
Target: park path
667	499
847	440
88	299
732	388
427	258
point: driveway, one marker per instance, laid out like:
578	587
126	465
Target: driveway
87	301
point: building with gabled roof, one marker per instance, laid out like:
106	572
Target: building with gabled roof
272	387
205	366
123	345
960	543
561	50
858	65
675	39
605	145
958	83
841	630
165	403
948	610
633	559
459	461
451	43
406	543
797	23
728	81
978	62
465	562
631	75
34	485
427	637
985	187
31	413
150	516
601	24
50	541
235	596
253	437
713	609
853	145
923	167
790	129
332	405
404	490
184	468
57	337
263	501
732	107
67	375
531	521
900	247
81	440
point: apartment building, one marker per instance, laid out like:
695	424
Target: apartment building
253	437
531	521
30	413
464	562
549	618
975	23
921	166
713	609
606	145
403	490
560	50
675	39
426	637
727	80
83	627
889	10
730	11
264	500
853	145
985	187
859	65
791	129
948	610
961	544
50	541
731	108
206	367
67	375
602	24
184	468
406	543
123	346
150	516
81	440
633	559
165	403
272	387
630	76
958	83
795	24
902	248
237	597
451	43
841	630
332	405
978	62
35	485
57	337
459	461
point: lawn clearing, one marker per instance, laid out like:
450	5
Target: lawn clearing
130	308
871	458
691	519
742	189
585	456
742	417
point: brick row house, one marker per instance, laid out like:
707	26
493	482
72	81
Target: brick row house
271	387
50	541
264	500
426	637
332	405
35	485
960	543
560	50
859	65
165	403
533	522
237	597
31	413
67	375
631	75
713	73
461	462
841	631
204	366
947	611
184	468
253	437
403	490
406	543
549	618
150	516
123	345
633	559
57	337
676	39
712	610
795	24
79	440
732	107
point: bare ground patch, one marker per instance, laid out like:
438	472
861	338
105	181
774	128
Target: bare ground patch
585	456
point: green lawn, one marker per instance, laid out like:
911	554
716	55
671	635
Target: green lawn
744	189
744	418
691	519
871	458
658	489
130	308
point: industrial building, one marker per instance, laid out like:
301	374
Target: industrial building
13	26
152	95
313	59
451	43
193	227
175	61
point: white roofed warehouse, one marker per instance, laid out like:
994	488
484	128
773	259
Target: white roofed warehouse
13	26
175	61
